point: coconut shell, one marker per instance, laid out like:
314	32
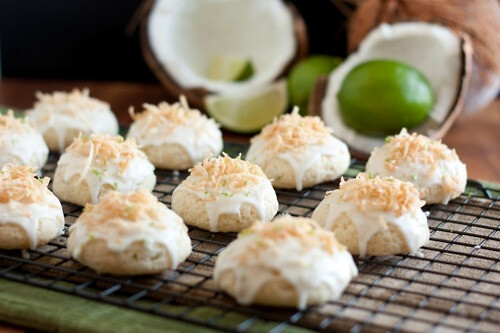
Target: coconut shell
429	127
479	19
196	96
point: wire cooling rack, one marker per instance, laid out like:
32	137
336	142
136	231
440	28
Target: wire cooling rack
453	286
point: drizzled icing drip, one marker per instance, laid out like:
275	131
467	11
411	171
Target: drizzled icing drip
412	225
166	230
177	124
28	147
28	216
230	203
60	137
305	269
61	112
422	161
299	161
122	180
199	139
449	174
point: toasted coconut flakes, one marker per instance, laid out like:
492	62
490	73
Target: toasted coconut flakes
215	175
416	148
451	185
294	132
9	122
306	231
21	184
132	207
379	194
169	116
75	101
103	147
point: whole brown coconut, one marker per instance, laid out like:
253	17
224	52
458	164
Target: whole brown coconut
479	19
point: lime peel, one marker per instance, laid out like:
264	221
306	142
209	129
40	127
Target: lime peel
379	97
304	75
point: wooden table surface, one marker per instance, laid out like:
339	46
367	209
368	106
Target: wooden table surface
476	137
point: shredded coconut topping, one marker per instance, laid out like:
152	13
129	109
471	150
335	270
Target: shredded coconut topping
103	147
68	103
306	231
416	148
133	207
379	194
169	116
9	122
21	184
215	175
294	132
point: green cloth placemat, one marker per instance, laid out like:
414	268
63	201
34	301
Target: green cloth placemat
44	309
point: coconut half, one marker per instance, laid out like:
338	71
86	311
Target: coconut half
434	50
181	38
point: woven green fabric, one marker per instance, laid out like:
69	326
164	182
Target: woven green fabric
53	311
44	309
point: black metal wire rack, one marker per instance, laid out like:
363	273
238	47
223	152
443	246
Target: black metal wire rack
453	286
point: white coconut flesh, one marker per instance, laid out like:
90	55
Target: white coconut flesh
432	49
186	35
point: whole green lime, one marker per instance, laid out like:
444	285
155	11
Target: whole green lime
381	97
304	75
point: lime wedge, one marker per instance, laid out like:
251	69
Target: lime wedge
230	68
251	112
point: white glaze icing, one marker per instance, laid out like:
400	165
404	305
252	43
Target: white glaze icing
418	254
99	120
124	181
419	173
299	161
119	234
200	138
28	216
227	202
26	147
305	269
412	225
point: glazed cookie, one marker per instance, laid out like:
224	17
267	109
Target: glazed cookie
431	166
375	216
290	262
20	143
61	116
173	136
225	194
95	164
297	152
129	234
30	215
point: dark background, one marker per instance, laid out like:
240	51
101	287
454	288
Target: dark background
85	39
